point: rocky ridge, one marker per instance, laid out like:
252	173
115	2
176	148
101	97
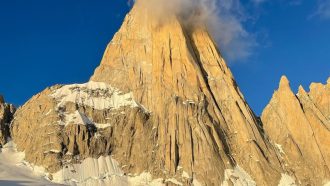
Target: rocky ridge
298	126
6	115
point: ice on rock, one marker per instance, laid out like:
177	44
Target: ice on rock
238	176
287	180
97	95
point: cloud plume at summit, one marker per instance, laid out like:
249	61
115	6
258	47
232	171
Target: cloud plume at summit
223	18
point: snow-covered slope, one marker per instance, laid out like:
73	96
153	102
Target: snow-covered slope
101	172
15	171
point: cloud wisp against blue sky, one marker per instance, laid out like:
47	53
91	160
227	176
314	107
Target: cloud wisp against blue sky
322	10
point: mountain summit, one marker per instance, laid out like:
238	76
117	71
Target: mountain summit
199	117
163	108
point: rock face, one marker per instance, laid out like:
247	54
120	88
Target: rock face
299	126
163	103
77	121
180	114
6	115
201	119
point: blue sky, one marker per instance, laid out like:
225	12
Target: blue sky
43	43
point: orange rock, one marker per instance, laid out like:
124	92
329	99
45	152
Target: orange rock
296	125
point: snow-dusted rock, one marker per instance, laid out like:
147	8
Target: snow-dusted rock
96	95
66	124
287	180
237	176
6	115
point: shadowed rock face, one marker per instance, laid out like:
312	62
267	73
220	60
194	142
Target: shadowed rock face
6	115
299	126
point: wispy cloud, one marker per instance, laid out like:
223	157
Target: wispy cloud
284	2
225	20
228	29
322	10
258	1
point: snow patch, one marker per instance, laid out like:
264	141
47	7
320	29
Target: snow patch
287	180
188	101
97	95
78	118
102	125
238	176
53	151
103	171
196	183
48	112
15	171
174	181
107	171
91	171
185	175
145	179
279	147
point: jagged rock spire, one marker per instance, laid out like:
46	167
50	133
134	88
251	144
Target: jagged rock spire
284	83
2	100
179	75
297	126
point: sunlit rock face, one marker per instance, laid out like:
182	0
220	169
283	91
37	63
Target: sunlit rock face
6	115
163	107
299	126
201	120
66	124
163	101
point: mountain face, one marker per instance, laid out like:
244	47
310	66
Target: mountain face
299	126
6	115
163	101
200	117
163	108
85	120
